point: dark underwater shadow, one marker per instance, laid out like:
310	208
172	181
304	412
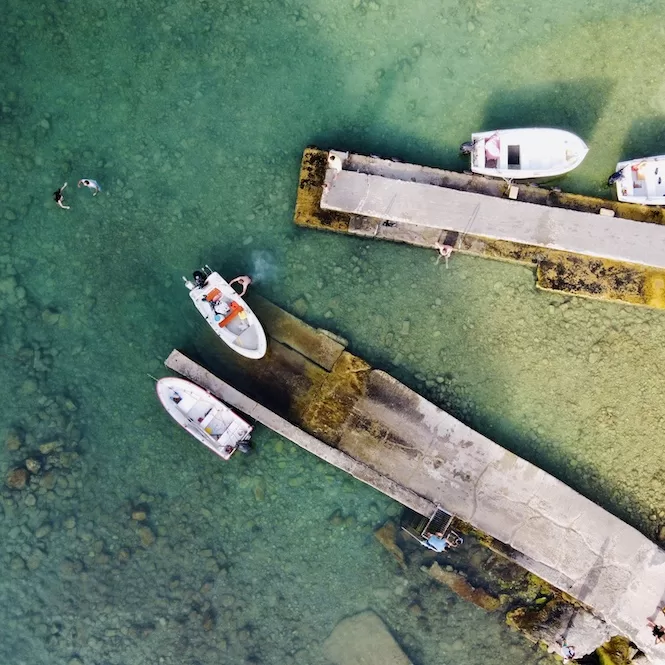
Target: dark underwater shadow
366	132
575	106
646	137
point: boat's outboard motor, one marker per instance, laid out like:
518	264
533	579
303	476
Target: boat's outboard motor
200	278
466	148
244	447
614	178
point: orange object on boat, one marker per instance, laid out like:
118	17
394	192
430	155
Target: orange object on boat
235	310
213	295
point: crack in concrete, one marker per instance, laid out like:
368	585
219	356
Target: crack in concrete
475	492
362	202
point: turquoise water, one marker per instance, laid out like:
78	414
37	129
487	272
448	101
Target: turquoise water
193	116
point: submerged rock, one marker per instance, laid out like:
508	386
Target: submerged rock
300	307
462	588
364	639
615	652
51	446
13	441
208	620
33	465
123	554
49	480
387	536
147	536
43	531
661	534
17	479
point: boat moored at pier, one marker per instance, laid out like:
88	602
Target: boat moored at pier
533	152
227	313
640	180
205	417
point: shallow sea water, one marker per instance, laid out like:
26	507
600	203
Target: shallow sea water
193	117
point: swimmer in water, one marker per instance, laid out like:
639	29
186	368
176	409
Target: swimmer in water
91	184
58	198
244	282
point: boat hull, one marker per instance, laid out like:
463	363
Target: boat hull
642	181
533	152
203	416
229	316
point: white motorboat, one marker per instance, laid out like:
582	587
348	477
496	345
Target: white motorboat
227	313
534	152
641	180
205	417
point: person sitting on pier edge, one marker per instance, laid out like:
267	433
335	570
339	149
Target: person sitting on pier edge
657	631
567	652
436	542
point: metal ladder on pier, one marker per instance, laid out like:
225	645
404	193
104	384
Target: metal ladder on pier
421	527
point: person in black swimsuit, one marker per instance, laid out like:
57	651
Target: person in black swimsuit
657	630
58	198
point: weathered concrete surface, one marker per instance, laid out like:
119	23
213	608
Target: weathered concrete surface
404	446
182	365
556	270
363	639
317	345
297	363
442	208
556	533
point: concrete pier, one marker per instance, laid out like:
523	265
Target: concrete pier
441	208
367	423
183	365
571	242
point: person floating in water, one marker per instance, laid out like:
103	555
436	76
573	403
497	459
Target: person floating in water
58	198
90	184
244	282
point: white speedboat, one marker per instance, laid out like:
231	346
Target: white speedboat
227	313
641	180
205	417
534	152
